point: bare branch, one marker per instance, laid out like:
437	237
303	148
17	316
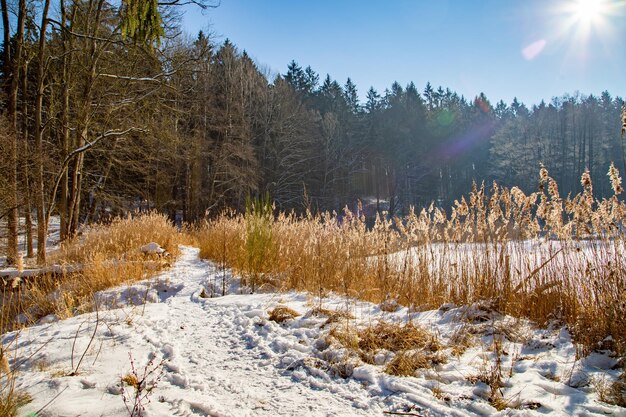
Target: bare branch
198	3
82	35
130	78
78	151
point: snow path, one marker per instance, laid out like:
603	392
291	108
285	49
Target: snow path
214	362
223	357
212	368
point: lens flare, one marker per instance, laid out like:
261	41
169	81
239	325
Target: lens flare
533	50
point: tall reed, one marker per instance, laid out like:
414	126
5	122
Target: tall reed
539	256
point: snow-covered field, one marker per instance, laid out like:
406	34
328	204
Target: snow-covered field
223	357
570	258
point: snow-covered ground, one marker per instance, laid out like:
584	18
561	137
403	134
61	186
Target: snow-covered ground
223	357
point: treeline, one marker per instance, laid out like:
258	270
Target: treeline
106	111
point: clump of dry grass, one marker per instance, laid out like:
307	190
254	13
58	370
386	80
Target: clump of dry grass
413	346
11	398
461	340
395	337
439	394
539	256
333	316
500	403
11	401
281	314
104	256
612	392
406	363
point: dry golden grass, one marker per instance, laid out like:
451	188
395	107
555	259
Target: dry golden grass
103	257
395	337
333	316
414	347
281	314
107	255
11	401
439	394
461	340
612	392
406	363
500	403
11	398
478	252
121	240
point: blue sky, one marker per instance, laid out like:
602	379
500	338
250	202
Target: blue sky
530	49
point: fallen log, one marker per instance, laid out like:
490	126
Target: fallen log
14	277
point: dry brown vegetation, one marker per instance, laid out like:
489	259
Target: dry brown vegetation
121	240
333	316
11	398
538	256
105	255
411	346
612	392
395	338
405	363
282	313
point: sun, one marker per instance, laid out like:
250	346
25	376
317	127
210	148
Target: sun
581	21
590	11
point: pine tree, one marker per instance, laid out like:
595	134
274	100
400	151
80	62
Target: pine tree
141	21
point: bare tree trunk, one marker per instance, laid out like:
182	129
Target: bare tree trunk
11	73
65	108
42	223
74	206
26	166
28	218
84	122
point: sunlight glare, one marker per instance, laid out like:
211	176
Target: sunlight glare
581	21
588	11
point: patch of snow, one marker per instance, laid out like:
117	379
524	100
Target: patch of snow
152	248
